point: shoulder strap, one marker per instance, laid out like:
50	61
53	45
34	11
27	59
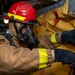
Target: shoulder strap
51	7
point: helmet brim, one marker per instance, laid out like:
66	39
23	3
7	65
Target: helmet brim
34	22
6	17
15	20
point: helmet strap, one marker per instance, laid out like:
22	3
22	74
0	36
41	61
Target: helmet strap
16	29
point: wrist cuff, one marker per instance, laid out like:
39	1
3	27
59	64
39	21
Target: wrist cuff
43	58
58	37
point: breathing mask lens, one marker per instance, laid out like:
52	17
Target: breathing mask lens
21	30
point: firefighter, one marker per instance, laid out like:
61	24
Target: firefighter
31	47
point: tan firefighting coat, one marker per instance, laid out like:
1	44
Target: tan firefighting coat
21	59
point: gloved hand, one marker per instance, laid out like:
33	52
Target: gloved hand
65	56
68	36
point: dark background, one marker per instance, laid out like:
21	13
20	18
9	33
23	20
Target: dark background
5	4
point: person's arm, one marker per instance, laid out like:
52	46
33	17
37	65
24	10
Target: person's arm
65	56
23	60
63	37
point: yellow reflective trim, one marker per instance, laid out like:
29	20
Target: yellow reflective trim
53	39
43	58
16	16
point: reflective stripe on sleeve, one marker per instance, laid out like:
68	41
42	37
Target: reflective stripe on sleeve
53	39
16	16
43	58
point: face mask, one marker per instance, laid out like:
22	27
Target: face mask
25	34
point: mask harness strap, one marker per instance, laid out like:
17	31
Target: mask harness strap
16	29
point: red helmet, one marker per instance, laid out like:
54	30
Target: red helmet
22	11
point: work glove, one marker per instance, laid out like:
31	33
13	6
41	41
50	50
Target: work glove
68	36
65	56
